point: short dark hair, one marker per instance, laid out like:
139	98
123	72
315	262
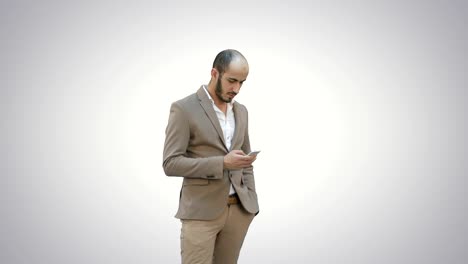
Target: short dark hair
224	58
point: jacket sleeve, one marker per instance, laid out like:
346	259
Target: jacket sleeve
248	174
175	159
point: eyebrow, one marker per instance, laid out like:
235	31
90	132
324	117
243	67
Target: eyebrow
234	79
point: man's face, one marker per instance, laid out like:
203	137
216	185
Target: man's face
221	92
229	83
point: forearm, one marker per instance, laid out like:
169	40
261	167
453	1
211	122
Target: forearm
205	168
248	173
248	178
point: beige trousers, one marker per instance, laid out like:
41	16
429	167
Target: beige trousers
217	241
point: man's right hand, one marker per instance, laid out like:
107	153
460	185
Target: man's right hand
237	159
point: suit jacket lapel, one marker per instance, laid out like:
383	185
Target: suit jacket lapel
208	107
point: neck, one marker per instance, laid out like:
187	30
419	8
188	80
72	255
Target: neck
219	103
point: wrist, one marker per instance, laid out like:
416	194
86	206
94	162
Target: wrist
225	165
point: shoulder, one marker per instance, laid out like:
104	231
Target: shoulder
186	102
240	107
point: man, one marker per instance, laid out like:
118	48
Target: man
206	143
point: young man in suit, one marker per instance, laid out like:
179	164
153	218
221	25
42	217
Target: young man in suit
206	143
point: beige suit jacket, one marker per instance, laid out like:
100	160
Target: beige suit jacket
194	149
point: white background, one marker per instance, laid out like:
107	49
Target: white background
359	108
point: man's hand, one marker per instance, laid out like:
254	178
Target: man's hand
237	159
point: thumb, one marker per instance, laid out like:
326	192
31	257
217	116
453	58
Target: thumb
238	151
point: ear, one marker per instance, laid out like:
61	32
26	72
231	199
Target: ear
214	73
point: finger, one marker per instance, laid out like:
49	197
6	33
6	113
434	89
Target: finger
248	162
239	156
238	151
244	162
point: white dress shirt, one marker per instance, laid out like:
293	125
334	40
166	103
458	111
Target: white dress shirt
227	122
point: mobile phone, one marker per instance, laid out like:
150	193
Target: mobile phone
253	153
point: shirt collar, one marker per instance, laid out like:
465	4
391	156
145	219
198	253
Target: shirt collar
212	101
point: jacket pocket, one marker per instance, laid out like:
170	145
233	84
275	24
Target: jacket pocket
195	182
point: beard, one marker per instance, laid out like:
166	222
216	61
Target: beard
219	91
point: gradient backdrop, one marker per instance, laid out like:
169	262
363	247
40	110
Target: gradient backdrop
359	109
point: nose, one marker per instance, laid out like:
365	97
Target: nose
236	87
